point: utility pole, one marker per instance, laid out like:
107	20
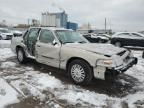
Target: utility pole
28	21
105	25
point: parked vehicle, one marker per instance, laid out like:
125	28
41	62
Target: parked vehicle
94	38
103	38
16	33
68	50
143	55
5	34
128	39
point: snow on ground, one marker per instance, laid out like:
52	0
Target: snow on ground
5	53
8	64
25	81
5	43
7	94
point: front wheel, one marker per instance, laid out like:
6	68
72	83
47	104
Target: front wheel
21	55
118	44
80	72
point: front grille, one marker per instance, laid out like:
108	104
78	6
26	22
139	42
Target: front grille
9	36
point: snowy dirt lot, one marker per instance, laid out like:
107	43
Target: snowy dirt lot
34	85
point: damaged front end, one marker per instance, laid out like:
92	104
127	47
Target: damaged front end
117	64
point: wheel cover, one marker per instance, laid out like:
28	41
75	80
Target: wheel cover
118	44
77	73
20	55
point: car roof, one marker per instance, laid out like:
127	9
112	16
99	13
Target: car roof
52	28
117	33
126	32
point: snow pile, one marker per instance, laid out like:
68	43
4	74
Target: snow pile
69	93
133	98
34	83
5	53
83	96
138	73
8	65
47	81
5	43
7	94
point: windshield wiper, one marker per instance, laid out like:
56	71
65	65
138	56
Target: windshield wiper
67	42
81	42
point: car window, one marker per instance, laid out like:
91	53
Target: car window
46	36
66	36
4	31
124	34
33	33
136	35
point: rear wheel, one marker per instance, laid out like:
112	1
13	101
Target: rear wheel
118	44
21	55
143	55
0	37
80	72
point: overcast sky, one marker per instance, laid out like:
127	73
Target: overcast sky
121	14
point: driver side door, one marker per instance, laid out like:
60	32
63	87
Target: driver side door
47	52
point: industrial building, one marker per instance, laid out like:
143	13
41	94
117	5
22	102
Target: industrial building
72	25
54	19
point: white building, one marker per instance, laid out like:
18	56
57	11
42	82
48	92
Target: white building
54	19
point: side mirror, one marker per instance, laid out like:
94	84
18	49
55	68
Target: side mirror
54	42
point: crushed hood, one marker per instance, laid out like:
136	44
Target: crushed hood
105	49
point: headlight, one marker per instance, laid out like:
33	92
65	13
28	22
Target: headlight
131	54
106	63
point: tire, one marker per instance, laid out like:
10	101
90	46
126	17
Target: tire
21	57
0	38
100	41
143	55
118	44
74	69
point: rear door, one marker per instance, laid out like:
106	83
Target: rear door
47	52
30	39
138	40
125	39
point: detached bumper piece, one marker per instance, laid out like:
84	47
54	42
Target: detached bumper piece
112	73
133	61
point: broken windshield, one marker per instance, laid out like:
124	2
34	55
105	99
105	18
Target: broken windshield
70	37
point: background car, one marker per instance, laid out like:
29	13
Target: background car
128	39
17	33
103	38
5	34
97	38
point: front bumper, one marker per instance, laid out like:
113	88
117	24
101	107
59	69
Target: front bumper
126	66
112	73
104	73
9	37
